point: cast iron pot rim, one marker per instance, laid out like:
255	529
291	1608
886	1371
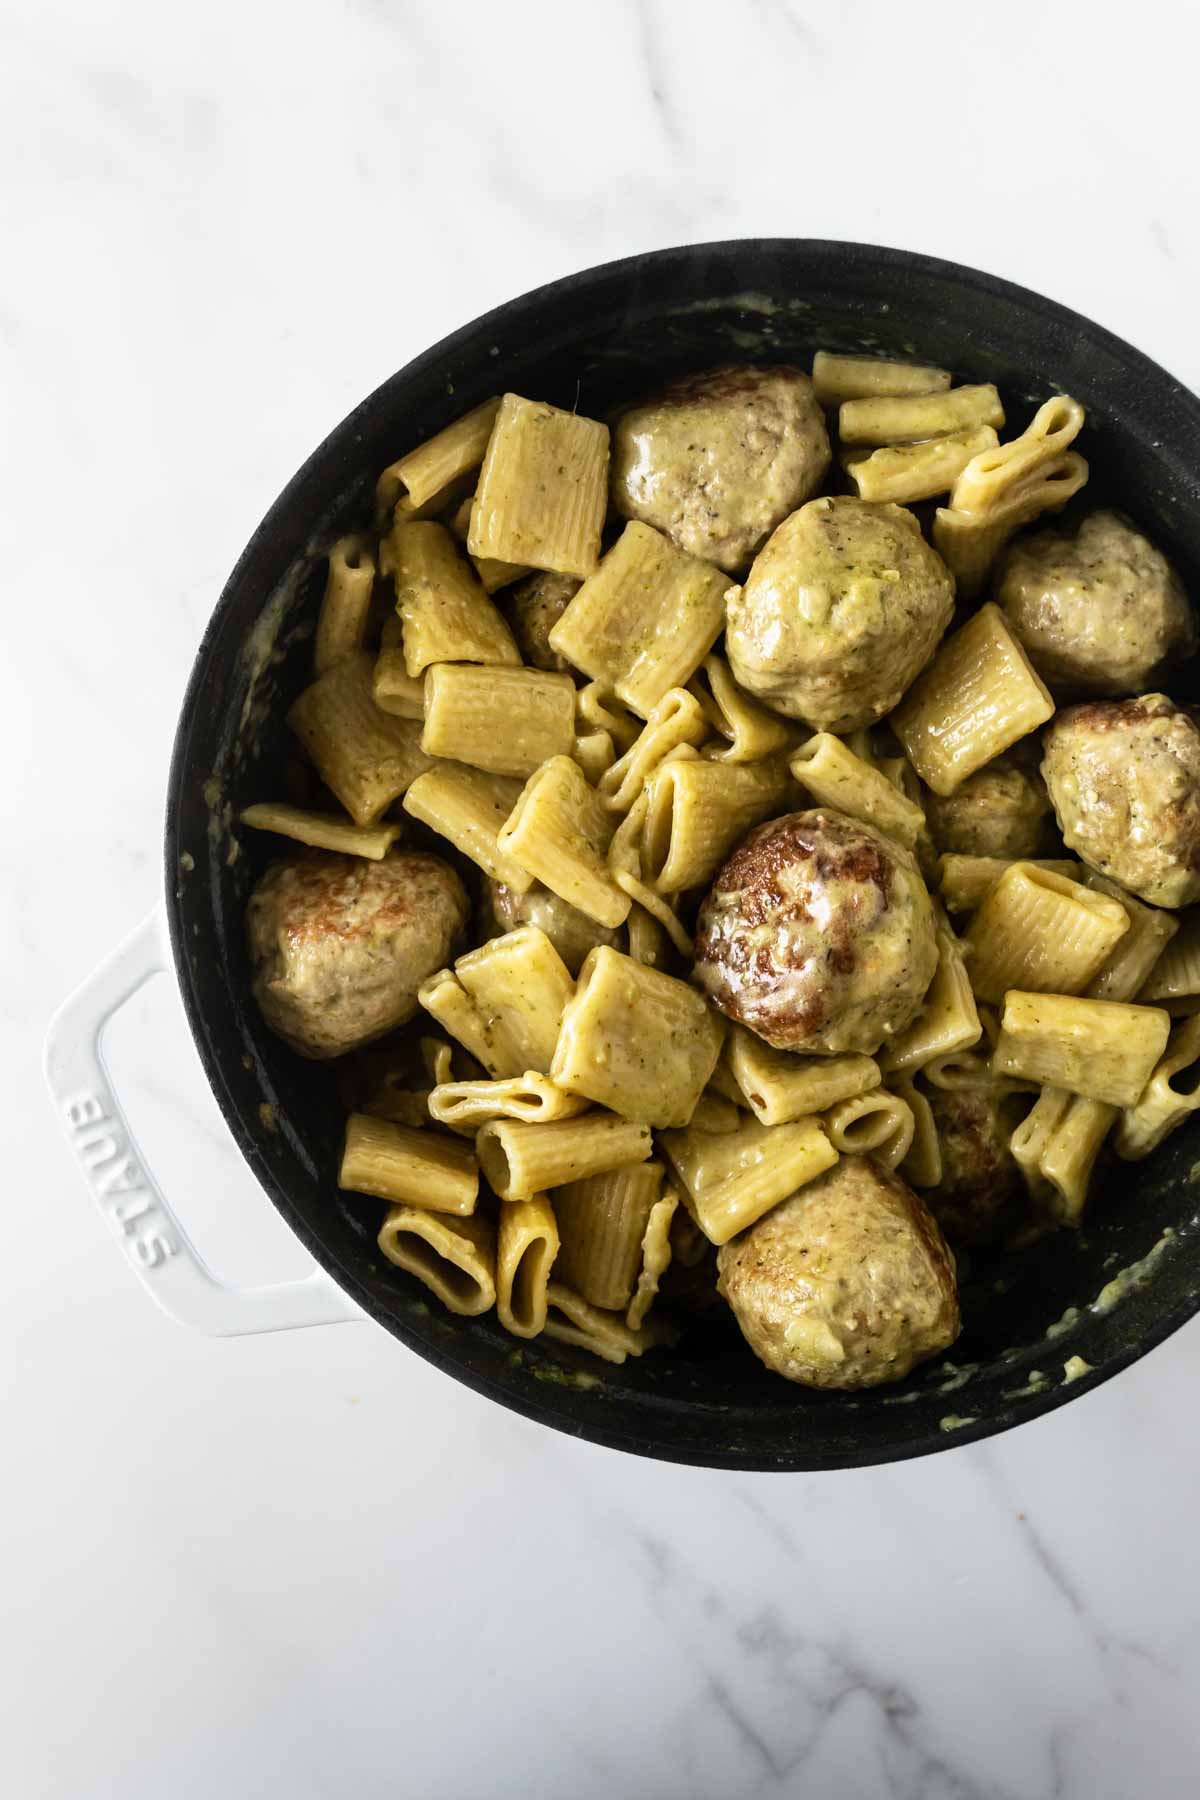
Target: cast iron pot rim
849	254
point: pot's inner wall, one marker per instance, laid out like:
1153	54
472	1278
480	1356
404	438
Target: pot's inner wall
604	340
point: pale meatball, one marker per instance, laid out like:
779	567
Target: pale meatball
571	932
998	812
1124	780
843	608
534	607
1100	610
818	934
718	459
339	945
847	1284
981	1184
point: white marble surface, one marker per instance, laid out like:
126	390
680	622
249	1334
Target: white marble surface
308	1565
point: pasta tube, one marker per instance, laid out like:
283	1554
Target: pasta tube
559	832
1175	977
543	489
506	721
1125	972
455	1258
904	419
636	1040
979	695
646	619
729	1179
835	776
676	720
836	378
904	473
752	733
446	613
522	1160
697	811
1056	1146
411	1168
964	881
657	1251
324	831
424	474
346	605
469	809
969	542
364	756
464	1106
393	689
1098	1048
879	1124
1042	933
602	1222
520	985
571	1320
526	1249
1171	1095
948	1020
780	1088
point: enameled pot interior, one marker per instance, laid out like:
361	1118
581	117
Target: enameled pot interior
589	343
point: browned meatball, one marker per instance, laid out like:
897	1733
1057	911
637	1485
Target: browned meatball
818	934
842	609
340	945
1124	780
1098	611
1000	811
847	1284
718	459
534	607
981	1184
571	932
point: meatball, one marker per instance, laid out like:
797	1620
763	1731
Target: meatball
1098	611
981	1184
571	932
534	606
1124	780
847	1284
999	811
718	459
818	934
842	609
339	945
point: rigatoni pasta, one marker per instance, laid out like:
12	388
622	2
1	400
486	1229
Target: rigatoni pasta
1042	933
835	776
527	1245
837	378
346	604
470	808
695	813
322	831
446	614
520	986
542	489
730	1179
904	473
521	1160
780	1087
455	1258
977	697
412	1168
636	1040
364	756
1098	1048
602	1222
646	619
506	721
904	419
559	832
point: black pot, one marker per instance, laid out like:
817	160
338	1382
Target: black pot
590	341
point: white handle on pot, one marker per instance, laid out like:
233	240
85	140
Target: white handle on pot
145	1226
